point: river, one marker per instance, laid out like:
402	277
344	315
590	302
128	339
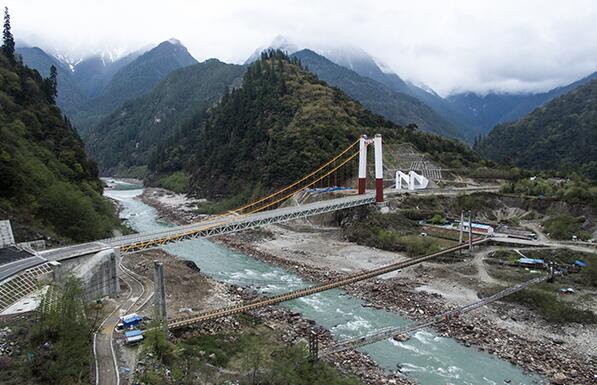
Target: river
426	357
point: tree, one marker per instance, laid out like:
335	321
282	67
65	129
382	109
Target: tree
50	84
8	41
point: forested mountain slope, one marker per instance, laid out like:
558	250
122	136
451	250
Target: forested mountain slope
562	135
126	137
396	106
486	111
48	185
94	88
278	126
70	98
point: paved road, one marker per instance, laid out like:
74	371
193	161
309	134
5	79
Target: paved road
546	244
14	267
139	294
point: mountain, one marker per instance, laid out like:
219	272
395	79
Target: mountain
141	75
486	111
48	185
96	86
280	124
126	137
70	98
377	97
561	135
362	63
94	73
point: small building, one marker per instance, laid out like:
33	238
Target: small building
130	320
133	336
581	263
478	228
531	262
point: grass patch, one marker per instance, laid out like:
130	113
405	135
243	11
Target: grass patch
137	172
416	245
548	306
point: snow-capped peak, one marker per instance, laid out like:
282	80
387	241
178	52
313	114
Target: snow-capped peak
174	41
422	86
69	61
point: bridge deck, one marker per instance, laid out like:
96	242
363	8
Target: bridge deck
208	228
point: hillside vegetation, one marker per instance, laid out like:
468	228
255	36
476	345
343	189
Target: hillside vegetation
48	185
398	107
128	136
562	136
278	126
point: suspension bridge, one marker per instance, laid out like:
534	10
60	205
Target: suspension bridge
263	211
273	208
391	332
353	278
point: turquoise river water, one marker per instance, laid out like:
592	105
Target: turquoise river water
426	357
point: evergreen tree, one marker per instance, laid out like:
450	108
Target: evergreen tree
53	84
50	85
8	41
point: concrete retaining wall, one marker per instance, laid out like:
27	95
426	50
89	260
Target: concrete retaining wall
98	272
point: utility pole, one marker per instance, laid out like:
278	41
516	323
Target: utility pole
461	236
470	231
551	270
160	294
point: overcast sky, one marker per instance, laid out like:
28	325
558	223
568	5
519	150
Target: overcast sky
452	46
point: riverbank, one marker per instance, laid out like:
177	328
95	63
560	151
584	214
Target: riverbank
172	207
190	291
487	329
422	291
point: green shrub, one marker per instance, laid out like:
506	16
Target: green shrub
155	341
177	182
416	245
76	215
437	219
564	227
61	340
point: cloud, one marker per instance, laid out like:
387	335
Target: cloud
450	45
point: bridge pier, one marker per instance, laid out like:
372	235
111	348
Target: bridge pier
470	231
313	346
160	295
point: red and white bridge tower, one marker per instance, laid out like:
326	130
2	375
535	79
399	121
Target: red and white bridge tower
363	143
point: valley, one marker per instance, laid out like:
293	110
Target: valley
310	212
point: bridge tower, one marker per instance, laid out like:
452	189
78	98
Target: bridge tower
363	143
378	170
